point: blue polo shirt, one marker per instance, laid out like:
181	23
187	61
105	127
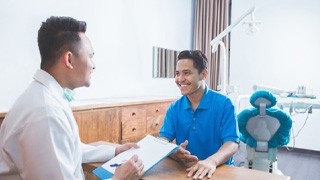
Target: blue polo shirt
206	128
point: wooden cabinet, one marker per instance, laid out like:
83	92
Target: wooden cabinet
155	117
126	122
119	122
133	123
99	125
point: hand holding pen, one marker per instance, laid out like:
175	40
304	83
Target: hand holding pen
115	165
131	169
118	164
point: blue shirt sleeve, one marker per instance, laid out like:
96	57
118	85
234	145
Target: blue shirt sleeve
168	128
229	126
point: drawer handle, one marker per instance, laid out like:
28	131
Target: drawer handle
157	110
133	114
133	129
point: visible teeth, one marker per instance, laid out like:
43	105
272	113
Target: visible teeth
183	85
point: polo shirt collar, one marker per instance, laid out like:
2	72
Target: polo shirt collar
204	103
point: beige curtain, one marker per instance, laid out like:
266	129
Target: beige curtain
166	62
211	18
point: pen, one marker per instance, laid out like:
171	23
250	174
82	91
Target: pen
115	165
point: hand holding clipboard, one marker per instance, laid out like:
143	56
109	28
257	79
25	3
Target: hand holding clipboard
152	150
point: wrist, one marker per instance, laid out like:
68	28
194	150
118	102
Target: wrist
117	151
215	161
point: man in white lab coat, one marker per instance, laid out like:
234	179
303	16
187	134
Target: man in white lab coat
39	137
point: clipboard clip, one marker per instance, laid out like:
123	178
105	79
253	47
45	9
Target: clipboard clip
161	140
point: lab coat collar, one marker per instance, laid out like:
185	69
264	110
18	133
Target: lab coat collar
48	81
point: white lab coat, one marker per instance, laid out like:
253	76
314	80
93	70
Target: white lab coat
39	138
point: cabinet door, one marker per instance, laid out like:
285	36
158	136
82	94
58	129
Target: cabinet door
134	124
99	125
155	117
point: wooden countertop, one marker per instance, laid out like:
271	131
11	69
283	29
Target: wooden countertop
170	169
86	104
115	102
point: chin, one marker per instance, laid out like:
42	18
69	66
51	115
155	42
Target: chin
184	93
84	85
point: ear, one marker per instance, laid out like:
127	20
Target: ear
68	59
204	74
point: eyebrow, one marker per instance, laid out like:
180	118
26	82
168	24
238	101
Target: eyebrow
184	70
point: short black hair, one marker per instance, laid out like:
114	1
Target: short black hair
57	35
200	61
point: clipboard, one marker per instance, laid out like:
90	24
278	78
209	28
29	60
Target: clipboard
152	150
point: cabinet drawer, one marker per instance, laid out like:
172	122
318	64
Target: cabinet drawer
155	117
134	122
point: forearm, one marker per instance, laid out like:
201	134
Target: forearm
97	153
224	153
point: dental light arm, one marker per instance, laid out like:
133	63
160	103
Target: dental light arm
223	57
215	42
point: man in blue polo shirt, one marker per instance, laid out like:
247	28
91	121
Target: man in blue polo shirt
202	121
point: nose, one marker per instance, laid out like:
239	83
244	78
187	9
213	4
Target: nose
180	78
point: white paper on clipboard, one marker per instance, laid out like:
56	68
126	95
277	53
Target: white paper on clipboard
152	150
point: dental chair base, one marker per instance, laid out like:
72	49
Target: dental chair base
263	161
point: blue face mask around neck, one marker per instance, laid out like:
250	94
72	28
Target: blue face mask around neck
68	94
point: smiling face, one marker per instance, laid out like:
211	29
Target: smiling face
188	78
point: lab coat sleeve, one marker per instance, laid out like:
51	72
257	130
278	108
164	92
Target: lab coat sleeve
46	148
99	153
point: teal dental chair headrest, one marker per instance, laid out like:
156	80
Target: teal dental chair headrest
280	135
263	96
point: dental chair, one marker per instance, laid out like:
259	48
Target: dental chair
263	129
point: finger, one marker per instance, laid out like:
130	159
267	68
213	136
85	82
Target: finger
141	170
139	162
184	144
203	173
139	166
191	158
132	145
135	145
211	173
198	172
184	151
134	158
192	170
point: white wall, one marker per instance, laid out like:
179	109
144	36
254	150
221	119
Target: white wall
285	53
122	33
